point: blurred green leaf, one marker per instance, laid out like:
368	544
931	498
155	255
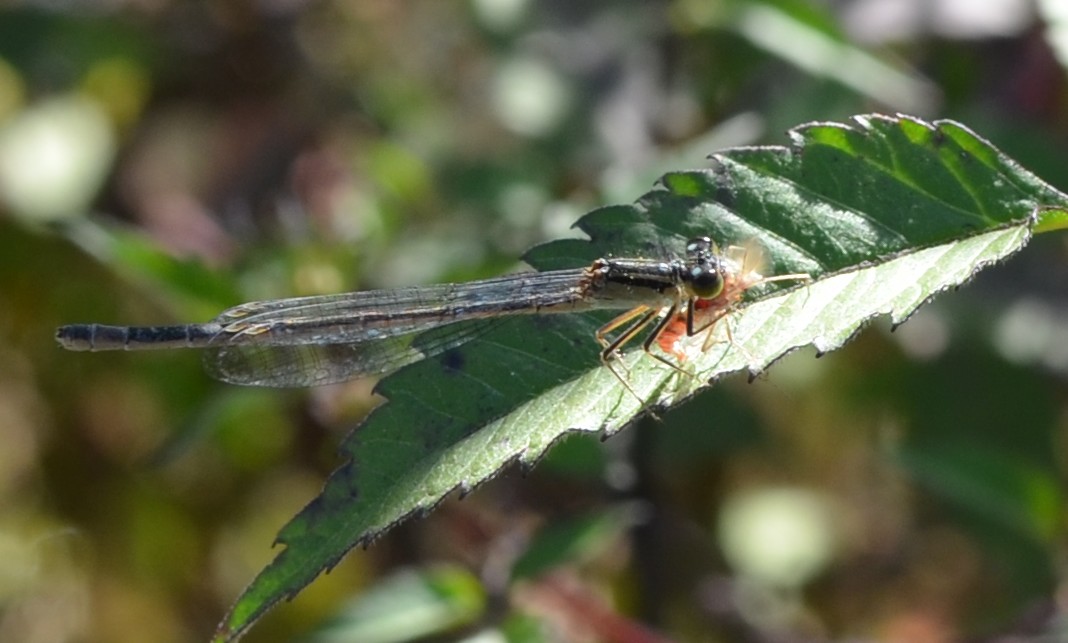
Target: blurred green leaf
141	259
410	604
883	213
800	35
570	541
1021	496
519	628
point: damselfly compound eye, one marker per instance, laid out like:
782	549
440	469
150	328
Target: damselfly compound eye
705	281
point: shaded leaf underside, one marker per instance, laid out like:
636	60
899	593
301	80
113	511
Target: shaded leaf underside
883	213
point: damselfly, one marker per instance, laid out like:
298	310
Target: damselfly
308	341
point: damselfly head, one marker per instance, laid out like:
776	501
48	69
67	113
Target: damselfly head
719	278
704	273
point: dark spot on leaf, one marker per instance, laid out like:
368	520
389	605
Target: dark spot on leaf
453	361
342	486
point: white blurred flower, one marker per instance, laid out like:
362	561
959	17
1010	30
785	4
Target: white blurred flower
778	537
54	157
529	97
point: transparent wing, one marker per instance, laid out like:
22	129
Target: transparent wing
374	315
299	365
307	341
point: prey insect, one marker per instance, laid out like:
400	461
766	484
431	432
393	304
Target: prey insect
742	271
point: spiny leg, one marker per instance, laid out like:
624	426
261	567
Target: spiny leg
641	313
691	313
610	349
654	335
708	327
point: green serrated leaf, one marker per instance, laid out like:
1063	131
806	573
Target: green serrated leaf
883	213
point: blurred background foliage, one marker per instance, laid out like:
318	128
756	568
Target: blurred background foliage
161	160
